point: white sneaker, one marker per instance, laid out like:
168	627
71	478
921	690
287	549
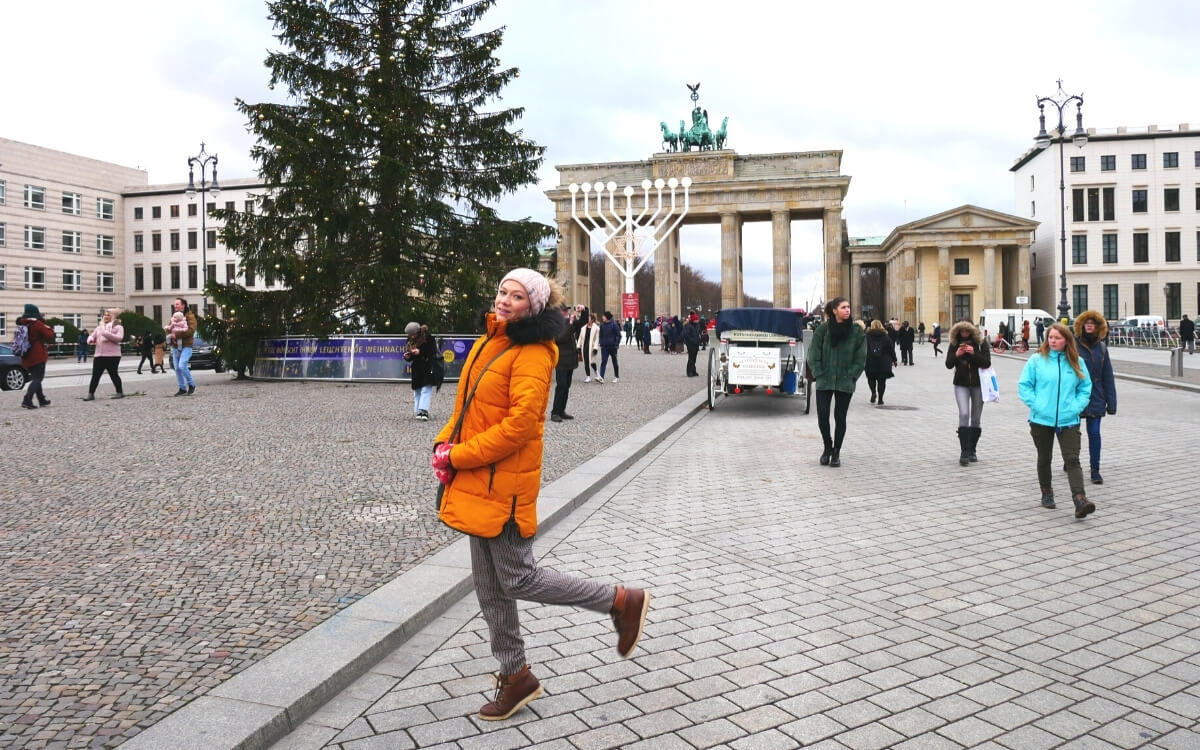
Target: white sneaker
599	379
616	380
588	379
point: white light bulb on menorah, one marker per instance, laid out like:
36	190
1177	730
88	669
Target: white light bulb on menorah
641	234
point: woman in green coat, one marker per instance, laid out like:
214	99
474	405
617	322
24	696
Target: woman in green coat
836	356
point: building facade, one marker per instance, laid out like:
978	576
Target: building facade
62	234
1132	222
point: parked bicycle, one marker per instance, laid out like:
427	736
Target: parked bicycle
1001	345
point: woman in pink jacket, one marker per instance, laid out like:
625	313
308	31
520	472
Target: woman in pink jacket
107	337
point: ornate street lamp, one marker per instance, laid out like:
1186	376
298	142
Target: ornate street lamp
203	159
1079	138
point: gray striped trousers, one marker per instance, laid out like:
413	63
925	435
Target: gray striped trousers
504	572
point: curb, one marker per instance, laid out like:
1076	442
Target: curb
271	698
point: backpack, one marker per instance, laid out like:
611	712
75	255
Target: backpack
20	342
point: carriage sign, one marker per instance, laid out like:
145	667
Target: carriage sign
754	365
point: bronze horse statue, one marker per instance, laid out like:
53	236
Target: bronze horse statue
670	141
719	136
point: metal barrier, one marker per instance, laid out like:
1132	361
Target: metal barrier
351	358
1177	362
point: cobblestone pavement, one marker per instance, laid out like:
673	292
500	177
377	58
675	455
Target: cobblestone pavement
898	601
155	546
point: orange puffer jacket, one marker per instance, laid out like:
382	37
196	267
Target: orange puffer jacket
497	457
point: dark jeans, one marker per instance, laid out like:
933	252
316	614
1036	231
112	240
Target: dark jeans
841	405
906	356
1068	446
607	353
105	364
562	389
36	374
691	365
877	385
146	358
1093	433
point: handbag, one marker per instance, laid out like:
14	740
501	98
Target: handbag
989	385
462	413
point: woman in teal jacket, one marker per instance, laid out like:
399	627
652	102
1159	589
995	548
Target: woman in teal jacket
1057	390
836	356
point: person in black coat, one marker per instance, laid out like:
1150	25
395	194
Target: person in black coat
145	347
419	352
691	339
881	358
568	362
1187	335
1090	331
905	338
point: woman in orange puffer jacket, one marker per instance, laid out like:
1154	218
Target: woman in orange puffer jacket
489	456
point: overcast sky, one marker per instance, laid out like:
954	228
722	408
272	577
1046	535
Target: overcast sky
931	102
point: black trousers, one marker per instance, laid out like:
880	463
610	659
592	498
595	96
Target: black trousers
841	405
877	384
146	358
105	364
906	355
562	389
691	365
36	374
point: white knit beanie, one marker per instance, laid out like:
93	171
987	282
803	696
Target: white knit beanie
535	285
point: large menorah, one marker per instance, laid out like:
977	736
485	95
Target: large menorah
611	225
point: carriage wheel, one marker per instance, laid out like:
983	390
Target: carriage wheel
716	385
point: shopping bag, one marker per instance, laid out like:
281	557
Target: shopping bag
989	385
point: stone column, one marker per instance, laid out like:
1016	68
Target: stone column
856	299
833	252
662	277
1024	283
676	275
989	276
730	266
945	310
908	304
575	285
614	282
781	258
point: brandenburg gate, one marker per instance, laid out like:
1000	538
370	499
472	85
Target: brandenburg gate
728	189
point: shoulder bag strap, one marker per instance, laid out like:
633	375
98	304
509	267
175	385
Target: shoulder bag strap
467	401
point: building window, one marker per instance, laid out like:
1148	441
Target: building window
212	239
229	206
35	197
74	319
1198	199
105	282
1077	164
72	203
1174	293
1137	161
1171	199
35	238
156	282
72	242
1109	203
1198	245
249	277
175	211
2	234
212	273
1141	299
962	307
1079	300
230	273
72	280
1139	201
1108	163
3	277
269	278
174	241
1032	209
1077	204
139	243
175	276
139	309
156	242
191	209
248	205
1170	159
105	245
156	212
962	267
3	323
139	278
1171	247
158	314
1109	246
1079	249
35	278
137	213
1112	310
1141	251
3	184
212	206
1093	204
193	274
105	208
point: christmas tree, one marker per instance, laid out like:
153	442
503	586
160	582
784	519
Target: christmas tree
385	160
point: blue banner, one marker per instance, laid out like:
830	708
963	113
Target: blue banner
351	358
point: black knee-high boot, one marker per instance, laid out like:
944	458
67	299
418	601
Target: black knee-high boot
975	433
964	446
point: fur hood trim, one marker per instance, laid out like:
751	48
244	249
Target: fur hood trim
1101	324
547	325
965	325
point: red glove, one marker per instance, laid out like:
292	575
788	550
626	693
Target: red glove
442	468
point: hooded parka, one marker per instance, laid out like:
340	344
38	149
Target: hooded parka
966	367
497	456
836	365
1093	353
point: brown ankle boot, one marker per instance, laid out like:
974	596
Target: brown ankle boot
513	692
629	617
1083	506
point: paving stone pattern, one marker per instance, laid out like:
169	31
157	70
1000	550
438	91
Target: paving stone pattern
155	546
899	601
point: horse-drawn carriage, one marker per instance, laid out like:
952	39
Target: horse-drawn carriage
759	348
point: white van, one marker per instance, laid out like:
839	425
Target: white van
991	318
1145	321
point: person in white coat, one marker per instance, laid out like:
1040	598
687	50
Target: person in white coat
588	342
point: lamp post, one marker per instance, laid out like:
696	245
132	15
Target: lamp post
1079	138
203	159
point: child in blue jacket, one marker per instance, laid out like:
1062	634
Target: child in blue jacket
1056	389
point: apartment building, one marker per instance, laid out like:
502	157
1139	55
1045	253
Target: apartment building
62	234
1132	221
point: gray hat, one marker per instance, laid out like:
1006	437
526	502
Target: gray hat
412	329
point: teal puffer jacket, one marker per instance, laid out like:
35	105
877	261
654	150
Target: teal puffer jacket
1053	392
837	367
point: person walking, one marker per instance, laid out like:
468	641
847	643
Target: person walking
107	337
33	359
935	338
81	346
1025	334
145	347
159	343
1091	329
589	346
1187	334
181	355
419	351
488	457
610	342
836	357
921	333
1056	390
905	337
628	331
966	352
568	361
691	339
881	358
1040	328
646	335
